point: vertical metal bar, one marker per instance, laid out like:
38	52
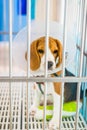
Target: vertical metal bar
63	63
10	58
78	30
10	38
46	37
28	53
46	57
84	72
84	87
28	35
81	61
79	11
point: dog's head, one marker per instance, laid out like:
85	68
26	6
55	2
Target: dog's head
37	54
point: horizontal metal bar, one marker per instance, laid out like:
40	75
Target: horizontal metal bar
7	33
43	79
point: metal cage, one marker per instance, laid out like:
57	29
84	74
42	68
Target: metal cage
16	95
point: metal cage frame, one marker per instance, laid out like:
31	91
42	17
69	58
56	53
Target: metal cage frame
11	79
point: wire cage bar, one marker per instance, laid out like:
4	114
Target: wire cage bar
10	59
46	59
81	59
16	94
28	53
63	64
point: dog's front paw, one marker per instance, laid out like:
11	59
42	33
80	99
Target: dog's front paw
32	110
54	124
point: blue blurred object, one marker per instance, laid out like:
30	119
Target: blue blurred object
19	16
22	8
1	23
4	18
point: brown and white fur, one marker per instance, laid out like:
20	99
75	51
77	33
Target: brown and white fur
37	57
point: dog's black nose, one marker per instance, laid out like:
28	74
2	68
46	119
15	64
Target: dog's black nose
50	64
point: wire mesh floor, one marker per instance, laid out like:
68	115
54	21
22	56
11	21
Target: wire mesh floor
19	110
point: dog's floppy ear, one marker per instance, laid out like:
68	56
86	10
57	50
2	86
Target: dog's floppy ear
59	44
34	57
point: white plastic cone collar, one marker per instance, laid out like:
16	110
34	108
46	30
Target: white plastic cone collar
38	30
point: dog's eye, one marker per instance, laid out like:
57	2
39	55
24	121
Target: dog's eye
55	51
40	51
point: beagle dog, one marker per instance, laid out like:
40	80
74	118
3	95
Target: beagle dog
37	62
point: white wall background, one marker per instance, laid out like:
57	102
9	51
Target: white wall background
54	6
56	10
